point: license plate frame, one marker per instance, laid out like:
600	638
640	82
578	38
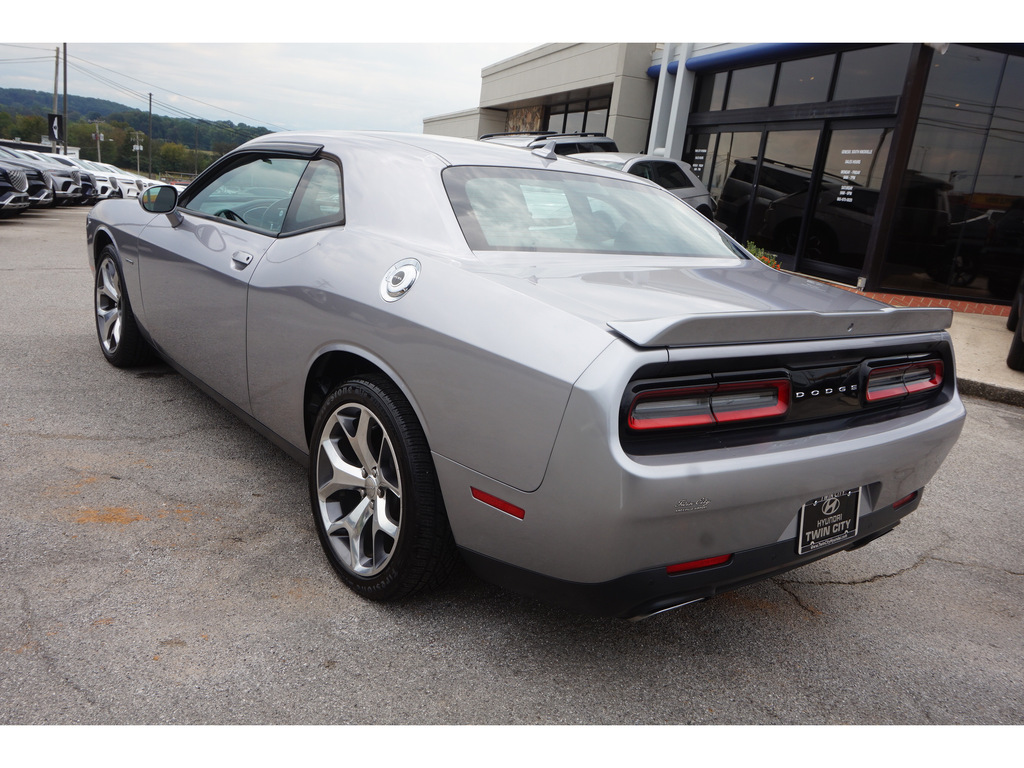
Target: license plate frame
828	520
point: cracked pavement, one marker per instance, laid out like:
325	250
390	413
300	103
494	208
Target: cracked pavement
160	566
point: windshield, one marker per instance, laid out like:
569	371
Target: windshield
515	209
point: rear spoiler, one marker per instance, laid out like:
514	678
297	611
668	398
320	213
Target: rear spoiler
796	325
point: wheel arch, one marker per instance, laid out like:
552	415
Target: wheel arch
334	366
100	240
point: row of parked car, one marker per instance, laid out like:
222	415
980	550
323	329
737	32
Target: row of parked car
30	179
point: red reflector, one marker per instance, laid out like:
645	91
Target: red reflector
494	501
695	564
905	500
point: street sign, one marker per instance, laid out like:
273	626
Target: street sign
56	123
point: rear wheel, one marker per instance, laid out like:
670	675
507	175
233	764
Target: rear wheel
376	501
120	339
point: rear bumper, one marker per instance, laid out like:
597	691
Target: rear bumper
604	522
643	593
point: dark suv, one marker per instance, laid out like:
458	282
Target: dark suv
13	191
565	143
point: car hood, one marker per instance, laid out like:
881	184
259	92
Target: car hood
682	301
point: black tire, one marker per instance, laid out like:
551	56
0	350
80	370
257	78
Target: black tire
120	339
1015	358
373	489
1015	307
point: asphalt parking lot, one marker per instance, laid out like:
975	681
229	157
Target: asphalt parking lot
160	566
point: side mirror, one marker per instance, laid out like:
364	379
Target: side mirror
160	198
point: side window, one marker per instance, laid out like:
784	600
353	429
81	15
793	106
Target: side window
319	201
643	170
255	191
671	176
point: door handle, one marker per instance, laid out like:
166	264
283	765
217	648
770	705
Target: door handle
241	259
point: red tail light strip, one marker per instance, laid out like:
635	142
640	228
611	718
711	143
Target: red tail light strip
709	404
899	380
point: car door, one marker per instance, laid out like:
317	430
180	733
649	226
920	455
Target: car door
196	263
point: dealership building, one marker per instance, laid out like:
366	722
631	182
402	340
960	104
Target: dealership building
896	168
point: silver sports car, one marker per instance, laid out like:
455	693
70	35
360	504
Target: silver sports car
557	372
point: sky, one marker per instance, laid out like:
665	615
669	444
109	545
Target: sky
312	64
282	86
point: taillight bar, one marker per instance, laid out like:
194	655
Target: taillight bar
894	381
708	404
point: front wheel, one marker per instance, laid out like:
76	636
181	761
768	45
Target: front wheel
120	338
376	501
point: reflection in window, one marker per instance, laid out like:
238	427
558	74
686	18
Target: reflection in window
254	190
804	81
732	177
710	92
512	209
963	177
872	72
751	87
320	201
590	116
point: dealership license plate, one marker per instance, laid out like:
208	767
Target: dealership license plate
828	520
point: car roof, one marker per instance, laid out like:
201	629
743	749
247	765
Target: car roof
446	150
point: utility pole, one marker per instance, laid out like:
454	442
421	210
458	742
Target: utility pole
56	74
151	135
137	149
99	138
66	126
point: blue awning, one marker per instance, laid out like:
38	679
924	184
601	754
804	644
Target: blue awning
746	56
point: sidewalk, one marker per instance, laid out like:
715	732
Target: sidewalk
981	343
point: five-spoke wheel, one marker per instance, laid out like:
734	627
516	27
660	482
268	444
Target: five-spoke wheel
120	339
374	493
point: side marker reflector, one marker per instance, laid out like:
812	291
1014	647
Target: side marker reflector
499	504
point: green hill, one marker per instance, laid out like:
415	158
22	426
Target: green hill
214	136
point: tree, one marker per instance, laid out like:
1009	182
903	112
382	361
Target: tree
175	157
29	127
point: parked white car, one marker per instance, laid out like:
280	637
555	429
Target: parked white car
674	175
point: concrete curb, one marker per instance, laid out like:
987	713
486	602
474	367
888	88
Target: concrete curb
992	392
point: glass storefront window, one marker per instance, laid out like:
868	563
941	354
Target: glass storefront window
556	118
953	192
750	87
732	176
696	154
847	200
574	121
872	72
710	92
778	206
804	81
579	116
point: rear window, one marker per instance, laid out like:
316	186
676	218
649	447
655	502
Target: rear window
514	209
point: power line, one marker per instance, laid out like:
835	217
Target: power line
180	95
88	68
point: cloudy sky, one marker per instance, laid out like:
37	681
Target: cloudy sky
376	65
283	86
